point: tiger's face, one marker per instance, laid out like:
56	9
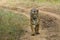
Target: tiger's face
34	16
34	13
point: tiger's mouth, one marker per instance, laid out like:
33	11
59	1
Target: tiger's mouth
34	17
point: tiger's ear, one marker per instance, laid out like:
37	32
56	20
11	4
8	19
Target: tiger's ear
37	11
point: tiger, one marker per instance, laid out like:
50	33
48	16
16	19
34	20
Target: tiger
34	21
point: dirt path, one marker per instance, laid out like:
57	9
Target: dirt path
50	14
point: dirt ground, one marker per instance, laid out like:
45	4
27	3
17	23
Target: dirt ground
49	21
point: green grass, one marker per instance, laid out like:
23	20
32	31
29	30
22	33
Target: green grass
11	25
49	1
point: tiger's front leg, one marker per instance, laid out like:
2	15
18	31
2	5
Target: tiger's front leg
37	29
32	28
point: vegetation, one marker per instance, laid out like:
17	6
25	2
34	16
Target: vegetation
18	3
11	25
